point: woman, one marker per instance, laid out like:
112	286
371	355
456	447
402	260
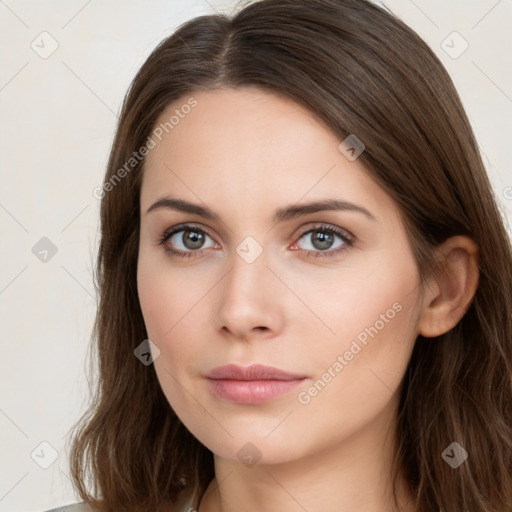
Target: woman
305	281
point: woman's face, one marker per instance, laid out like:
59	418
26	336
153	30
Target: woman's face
329	295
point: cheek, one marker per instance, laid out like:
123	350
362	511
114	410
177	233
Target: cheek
174	305
378	296
358	373
372	305
166	294
360	368
167	302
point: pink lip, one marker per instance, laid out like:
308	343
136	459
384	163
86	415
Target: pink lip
253	384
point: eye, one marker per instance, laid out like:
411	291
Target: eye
188	239
322	240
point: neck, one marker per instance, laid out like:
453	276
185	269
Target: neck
353	475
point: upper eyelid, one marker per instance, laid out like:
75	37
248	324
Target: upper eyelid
184	227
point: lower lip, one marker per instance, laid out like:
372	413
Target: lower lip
252	391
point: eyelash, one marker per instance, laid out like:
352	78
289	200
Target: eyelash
347	239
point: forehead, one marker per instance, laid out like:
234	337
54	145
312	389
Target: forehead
239	127
247	148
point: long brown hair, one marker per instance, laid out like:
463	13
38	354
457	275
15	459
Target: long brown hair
364	72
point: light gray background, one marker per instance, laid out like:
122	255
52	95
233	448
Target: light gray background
58	117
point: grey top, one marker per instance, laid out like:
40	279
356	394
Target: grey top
74	507
185	504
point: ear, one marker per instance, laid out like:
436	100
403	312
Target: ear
448	295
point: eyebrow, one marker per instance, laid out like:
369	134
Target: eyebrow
280	215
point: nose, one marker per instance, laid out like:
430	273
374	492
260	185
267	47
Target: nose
247	300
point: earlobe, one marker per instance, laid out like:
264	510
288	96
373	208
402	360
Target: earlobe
449	293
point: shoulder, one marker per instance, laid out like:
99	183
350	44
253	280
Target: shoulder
73	507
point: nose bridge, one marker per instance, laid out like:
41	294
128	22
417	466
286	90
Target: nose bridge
245	301
248	268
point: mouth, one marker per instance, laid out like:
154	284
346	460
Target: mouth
253	384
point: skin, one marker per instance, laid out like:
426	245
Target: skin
244	153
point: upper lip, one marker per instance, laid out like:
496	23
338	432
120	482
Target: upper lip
253	372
